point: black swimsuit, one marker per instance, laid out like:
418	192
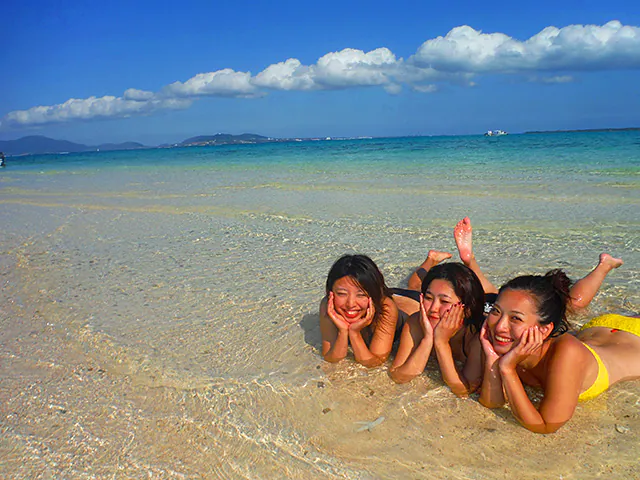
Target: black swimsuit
403	292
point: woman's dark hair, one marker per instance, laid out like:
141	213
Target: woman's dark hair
550	293
366	274
467	287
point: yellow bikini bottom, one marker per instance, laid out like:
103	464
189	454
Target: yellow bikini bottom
602	380
615	322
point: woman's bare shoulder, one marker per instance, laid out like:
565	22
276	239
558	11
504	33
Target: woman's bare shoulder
323	303
389	303
390	312
567	350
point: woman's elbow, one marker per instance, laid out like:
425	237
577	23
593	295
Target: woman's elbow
544	428
372	362
331	358
489	403
400	377
460	391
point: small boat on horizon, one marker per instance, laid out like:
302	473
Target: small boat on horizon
495	133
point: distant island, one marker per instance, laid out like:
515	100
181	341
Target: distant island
38	144
225	139
629	129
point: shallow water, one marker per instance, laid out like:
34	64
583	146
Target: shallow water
159	312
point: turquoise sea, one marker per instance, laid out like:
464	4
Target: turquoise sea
159	307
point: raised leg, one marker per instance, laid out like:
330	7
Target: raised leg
583	291
434	257
463	235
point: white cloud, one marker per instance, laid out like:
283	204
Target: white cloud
425	88
350	67
343	69
457	58
138	95
552	80
289	75
464	49
393	89
221	83
586	47
576	48
93	107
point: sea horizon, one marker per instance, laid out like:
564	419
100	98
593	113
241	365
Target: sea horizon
320	138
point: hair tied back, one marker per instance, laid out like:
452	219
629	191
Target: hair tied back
560	282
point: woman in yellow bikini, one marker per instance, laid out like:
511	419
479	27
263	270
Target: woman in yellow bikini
524	340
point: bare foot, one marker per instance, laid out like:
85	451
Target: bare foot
609	262
463	234
437	256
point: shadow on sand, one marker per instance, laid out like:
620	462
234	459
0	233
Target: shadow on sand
310	324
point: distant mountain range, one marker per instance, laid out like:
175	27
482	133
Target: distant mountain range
36	144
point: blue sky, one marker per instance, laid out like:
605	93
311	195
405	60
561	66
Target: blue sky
157	72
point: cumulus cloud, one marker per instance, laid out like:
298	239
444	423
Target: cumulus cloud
94	108
344	69
222	83
458	58
351	68
137	95
572	48
289	75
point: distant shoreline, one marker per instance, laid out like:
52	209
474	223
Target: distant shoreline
41	145
627	129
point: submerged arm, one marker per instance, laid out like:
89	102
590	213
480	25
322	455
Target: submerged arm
335	340
413	353
450	325
450	374
415	346
382	339
492	393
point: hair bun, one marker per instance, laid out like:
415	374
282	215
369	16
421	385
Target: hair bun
560	282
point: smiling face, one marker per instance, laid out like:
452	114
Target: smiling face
439	297
511	316
349	299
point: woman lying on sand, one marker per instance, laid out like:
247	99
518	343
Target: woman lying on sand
449	318
451	314
524	342
359	310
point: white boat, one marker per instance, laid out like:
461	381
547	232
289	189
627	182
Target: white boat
495	133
